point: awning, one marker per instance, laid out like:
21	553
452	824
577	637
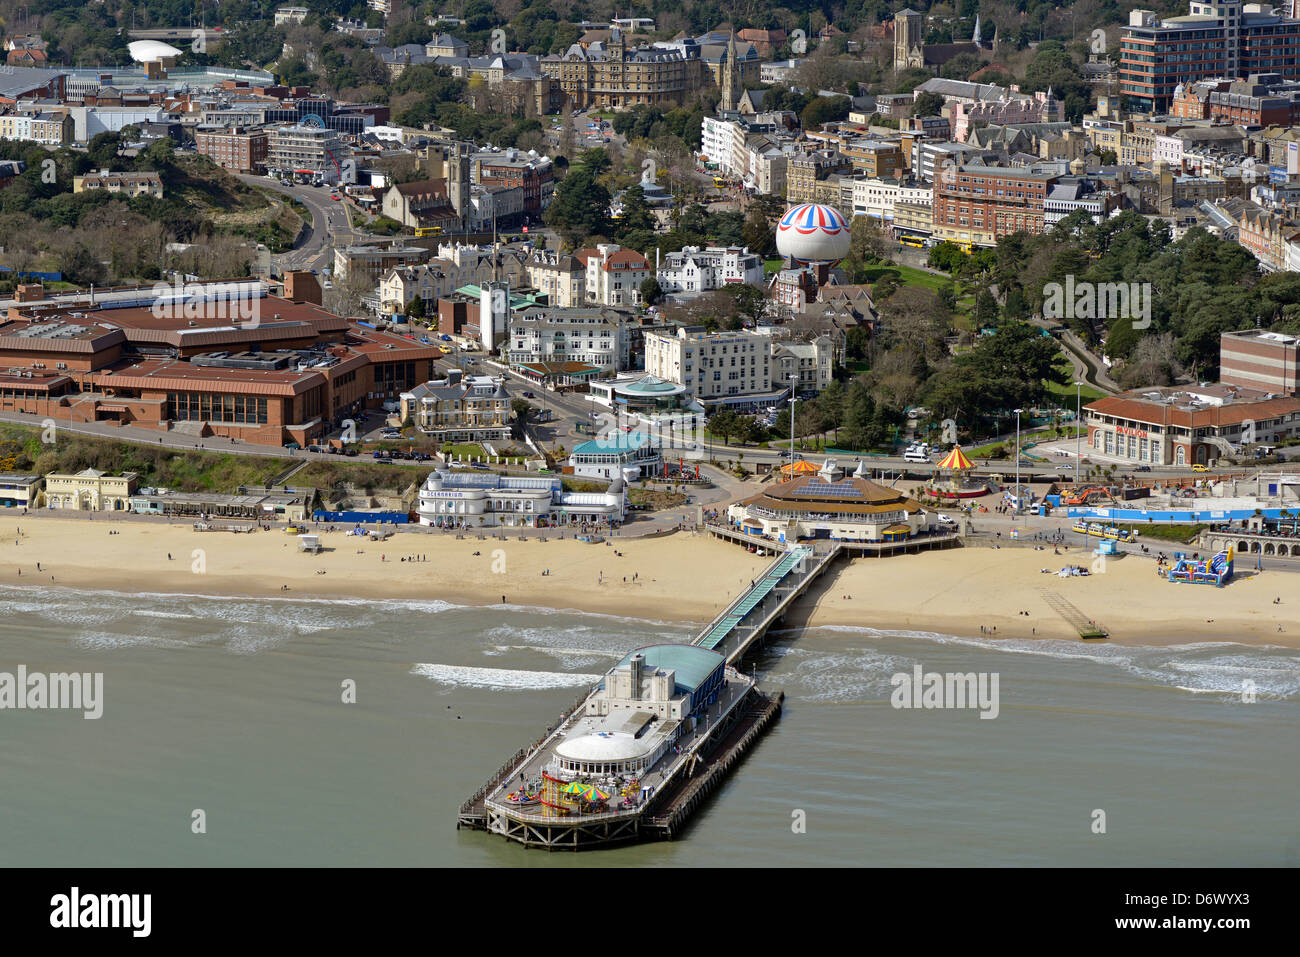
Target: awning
110	408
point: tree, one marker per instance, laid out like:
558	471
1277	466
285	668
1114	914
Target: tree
415	308
523	411
636	212
859	413
928	104
651	293
580	208
824	109
726	424
750	301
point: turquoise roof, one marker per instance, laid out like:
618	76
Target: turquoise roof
615	442
693	665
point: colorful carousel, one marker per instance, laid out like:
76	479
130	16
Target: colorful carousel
952	478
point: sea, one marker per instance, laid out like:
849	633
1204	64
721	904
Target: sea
314	732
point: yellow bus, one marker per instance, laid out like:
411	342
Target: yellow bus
428	231
719	182
912	241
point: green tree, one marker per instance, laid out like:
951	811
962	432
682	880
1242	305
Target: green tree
580	207
651	293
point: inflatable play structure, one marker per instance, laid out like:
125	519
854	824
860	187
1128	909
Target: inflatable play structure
1214	571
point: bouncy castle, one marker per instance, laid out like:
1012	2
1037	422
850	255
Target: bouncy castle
1214	571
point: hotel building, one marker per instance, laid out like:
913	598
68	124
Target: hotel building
1223	38
980	204
487	500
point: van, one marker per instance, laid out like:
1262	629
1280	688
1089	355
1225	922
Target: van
915	455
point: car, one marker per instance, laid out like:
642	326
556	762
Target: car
334	196
315	448
350	452
379	455
445	338
1142	468
292	446
1200	468
529	395
947	520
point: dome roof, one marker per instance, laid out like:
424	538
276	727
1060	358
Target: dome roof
146	51
813	233
650	385
605	746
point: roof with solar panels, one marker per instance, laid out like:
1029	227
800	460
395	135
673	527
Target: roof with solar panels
831	491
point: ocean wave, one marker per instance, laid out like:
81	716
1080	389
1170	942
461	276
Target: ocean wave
464	676
1220	667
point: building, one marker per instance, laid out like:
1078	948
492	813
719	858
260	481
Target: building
31	125
614	274
220	359
560	277
127	184
90	490
236	148
617	454
504	169
1265	361
878	198
1219	38
307	149
809	363
668	682
287	15
488	500
831	505
459	409
723	368
19	491
979	204
374	260
1187	425
696	270
592	337
611	75
287	505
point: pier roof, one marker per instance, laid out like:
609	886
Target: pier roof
693	665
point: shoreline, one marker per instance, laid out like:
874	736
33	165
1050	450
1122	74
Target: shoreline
679	578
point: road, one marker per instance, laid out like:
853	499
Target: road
330	226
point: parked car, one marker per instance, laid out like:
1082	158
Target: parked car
1200	468
350	452
529	395
947	520
1142	468
292	446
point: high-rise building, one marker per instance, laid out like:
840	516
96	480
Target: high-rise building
1223	38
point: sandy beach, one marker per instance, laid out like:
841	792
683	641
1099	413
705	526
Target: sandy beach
679	577
684	577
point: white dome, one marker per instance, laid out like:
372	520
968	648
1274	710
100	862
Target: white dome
813	233
146	51
604	746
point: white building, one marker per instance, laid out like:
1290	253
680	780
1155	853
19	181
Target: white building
614	274
486	500
584	335
721	368
723	142
809	362
696	270
876	198
286	15
561	277
617	454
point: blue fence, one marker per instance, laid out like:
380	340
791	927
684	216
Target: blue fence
363	518
1172	516
43	276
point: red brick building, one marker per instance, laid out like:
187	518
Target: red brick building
289	372
233	148
979	204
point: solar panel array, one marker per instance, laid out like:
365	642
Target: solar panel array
832	490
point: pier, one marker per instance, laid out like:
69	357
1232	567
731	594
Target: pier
663	767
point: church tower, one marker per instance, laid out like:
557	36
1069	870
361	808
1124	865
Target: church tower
729	77
908	39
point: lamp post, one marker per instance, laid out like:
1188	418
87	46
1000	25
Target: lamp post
1078	437
793	378
1018	496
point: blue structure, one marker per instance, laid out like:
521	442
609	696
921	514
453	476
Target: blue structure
696	671
361	518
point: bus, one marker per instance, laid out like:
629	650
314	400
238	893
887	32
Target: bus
428	231
719	182
967	248
914	241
